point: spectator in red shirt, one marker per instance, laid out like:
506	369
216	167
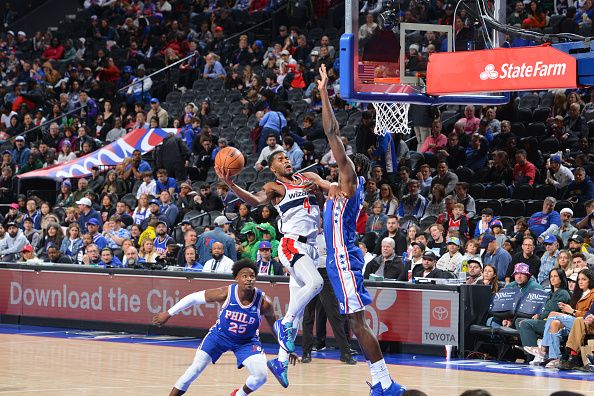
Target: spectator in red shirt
436	141
524	170
111	73
55	51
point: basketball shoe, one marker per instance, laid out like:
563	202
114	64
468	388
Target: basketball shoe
394	390
284	335
280	371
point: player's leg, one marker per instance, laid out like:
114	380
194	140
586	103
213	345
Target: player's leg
201	361
280	365
256	365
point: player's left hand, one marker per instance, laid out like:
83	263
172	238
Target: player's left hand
293	358
324	78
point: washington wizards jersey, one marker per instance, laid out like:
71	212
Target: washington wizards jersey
237	321
299	212
340	217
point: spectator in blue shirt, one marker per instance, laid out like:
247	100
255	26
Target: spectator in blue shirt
213	68
294	153
20	153
86	213
108	260
205	241
32	213
191	265
495	255
165	183
136	166
476	153
546	222
93	228
272	123
168	208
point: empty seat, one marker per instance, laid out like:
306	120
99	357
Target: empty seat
476	191
529	101
513	208
545	190
496	191
523	191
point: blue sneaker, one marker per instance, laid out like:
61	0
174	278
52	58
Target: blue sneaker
376	390
395	389
284	335
280	371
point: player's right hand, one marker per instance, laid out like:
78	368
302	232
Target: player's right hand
223	174
161	318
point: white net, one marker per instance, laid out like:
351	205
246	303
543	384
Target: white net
391	118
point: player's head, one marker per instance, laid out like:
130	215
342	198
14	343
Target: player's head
244	272
361	162
279	163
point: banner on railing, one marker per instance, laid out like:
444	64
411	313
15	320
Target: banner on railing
403	315
113	154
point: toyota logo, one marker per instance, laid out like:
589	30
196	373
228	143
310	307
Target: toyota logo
440	313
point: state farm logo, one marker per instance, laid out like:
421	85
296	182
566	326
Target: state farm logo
525	70
489	73
440	313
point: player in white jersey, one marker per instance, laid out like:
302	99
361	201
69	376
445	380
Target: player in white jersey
293	196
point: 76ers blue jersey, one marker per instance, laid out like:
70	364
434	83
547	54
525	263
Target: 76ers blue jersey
161	245
237	321
344	260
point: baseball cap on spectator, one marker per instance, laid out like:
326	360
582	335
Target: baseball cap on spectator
271	56
474	260
496	223
66	183
10	32
7	152
566	210
28	248
154	100
19	139
454	240
573	277
154	201
13	206
21	33
161	222
185	185
218	29
264	245
429	255
487	239
93	221
522	268
127	69
84	201
11	224
549	239
421	245
259	43
315	53
184	222
220	220
555	158
576	238
284	52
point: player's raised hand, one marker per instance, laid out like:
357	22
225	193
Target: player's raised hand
324	78
223	174
161	318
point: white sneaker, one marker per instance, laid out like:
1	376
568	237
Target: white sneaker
553	363
534	351
537	361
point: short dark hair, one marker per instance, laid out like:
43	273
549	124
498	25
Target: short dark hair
578	254
522	152
245	263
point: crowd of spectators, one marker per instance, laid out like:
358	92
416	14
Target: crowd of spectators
436	205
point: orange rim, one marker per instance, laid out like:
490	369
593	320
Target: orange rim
387	80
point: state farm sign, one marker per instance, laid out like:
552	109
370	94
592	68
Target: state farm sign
503	69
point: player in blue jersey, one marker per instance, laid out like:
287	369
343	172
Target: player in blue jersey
236	329
344	260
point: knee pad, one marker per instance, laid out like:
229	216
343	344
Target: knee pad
256	380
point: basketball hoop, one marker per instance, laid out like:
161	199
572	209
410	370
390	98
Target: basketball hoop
391	117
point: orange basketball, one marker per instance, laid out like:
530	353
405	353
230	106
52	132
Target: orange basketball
230	159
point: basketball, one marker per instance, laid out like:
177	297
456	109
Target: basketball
230	159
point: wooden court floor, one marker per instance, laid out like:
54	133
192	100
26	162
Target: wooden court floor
56	366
